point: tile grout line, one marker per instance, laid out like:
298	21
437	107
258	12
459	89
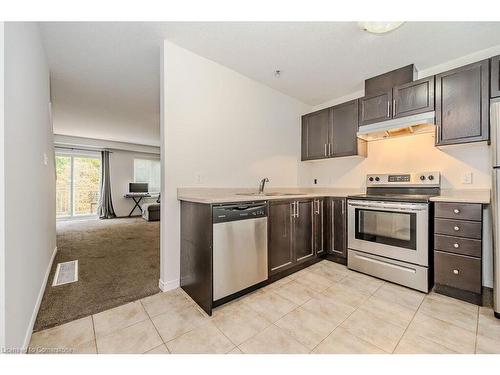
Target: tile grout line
156	329
408	325
444	321
347	317
118	329
95	336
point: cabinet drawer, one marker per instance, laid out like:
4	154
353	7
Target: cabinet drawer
458	245
471	229
457	271
462	211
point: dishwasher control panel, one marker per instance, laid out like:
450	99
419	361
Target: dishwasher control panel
238	211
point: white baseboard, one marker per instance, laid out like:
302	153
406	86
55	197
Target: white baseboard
168	285
27	337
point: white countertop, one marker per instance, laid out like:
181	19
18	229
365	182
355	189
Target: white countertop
482	196
224	195
227	195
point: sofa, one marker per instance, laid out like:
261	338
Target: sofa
151	211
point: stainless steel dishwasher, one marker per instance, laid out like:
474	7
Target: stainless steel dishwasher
240	247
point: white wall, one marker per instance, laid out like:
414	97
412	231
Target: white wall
2	193
29	182
414	153
223	127
121	166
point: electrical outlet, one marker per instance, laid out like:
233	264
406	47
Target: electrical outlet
199	178
467	178
45	159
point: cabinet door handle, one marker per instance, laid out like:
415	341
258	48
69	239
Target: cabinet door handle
292	208
326	154
456	211
297	212
332	226
330	153
393	107
456	272
388	108
456	229
456	246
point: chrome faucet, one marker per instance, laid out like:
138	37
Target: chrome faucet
262	185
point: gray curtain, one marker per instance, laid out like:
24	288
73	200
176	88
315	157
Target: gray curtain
106	210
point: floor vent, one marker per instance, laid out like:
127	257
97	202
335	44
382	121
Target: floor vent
66	273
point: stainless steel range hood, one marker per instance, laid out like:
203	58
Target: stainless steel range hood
416	124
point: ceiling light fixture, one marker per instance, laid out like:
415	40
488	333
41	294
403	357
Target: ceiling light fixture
379	27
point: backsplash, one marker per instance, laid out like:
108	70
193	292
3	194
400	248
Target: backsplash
406	154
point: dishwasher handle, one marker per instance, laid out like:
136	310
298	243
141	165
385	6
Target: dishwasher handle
242	211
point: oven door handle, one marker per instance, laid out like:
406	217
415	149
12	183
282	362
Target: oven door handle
389	208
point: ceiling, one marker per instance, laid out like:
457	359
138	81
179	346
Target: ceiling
106	76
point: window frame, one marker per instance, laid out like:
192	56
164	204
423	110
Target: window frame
72	154
151	159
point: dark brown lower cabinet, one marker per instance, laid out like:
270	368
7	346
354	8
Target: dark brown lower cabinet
279	223
319	226
295	231
458	250
302	230
336	228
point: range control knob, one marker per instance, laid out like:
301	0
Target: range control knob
431	177
377	179
370	179
422	177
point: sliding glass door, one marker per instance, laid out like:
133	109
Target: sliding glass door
78	184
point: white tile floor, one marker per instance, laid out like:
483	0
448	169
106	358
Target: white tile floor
325	308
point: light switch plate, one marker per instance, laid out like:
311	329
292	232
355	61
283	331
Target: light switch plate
467	178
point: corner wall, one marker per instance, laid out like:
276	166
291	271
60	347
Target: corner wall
219	129
2	191
30	233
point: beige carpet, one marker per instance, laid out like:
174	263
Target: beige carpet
118	261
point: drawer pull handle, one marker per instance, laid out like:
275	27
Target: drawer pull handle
456	210
456	229
456	272
456	246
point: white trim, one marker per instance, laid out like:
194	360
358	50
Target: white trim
165	286
69	141
29	331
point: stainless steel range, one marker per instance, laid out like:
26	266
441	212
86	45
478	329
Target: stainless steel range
388	228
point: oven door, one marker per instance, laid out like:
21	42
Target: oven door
396	230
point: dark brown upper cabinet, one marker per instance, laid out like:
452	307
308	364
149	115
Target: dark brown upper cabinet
495	77
315	134
413	98
331	133
462	104
410	98
343	131
375	108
